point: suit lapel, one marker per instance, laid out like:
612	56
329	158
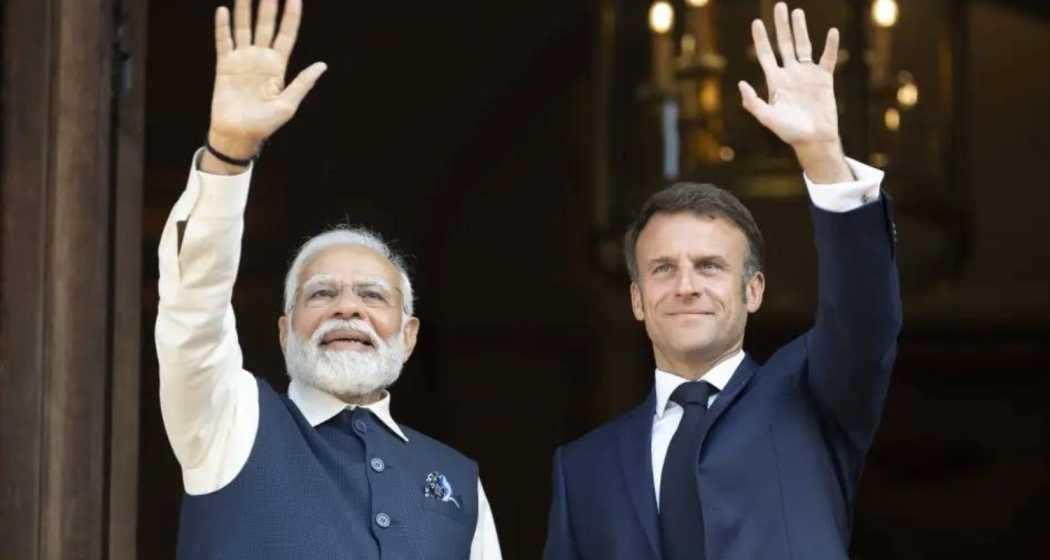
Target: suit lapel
740	380
636	460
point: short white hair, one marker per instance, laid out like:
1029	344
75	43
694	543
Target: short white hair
346	235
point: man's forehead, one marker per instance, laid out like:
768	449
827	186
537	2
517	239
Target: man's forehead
350	263
682	231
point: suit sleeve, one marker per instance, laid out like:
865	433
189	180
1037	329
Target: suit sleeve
560	542
853	343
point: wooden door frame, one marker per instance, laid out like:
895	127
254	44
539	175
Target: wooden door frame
70	277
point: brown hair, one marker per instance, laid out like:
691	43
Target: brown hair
702	199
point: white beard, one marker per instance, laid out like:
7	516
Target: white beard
345	373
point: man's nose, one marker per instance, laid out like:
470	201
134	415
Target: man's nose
685	284
347	305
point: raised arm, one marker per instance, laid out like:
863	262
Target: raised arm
853	342
208	401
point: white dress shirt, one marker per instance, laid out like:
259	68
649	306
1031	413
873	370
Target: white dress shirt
210	404
836	197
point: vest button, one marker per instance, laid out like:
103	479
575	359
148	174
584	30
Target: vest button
383	520
377	464
360	426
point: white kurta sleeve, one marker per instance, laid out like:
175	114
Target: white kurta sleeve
485	545
209	403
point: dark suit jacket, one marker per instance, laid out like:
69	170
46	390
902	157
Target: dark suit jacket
783	450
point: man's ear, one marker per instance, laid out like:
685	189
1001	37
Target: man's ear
754	290
636	302
282	331
411	333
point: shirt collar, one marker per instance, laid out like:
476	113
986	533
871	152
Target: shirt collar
318	406
718	376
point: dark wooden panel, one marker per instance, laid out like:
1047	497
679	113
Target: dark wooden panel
75	404
26	90
127	288
55	323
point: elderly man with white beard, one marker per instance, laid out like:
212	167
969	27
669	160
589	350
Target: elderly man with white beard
323	471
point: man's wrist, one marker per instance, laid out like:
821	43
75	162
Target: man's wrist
824	162
234	146
227	159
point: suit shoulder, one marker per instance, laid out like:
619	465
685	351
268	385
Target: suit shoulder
788	359
602	438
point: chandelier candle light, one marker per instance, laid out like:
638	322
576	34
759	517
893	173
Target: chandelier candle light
661	21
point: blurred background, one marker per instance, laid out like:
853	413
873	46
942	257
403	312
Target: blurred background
505	146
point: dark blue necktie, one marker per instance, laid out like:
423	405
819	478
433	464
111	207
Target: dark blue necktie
681	518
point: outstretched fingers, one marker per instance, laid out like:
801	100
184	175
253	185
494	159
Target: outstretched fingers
753	103
803	47
763	50
831	51
289	30
783	29
242	23
293	95
264	22
223	40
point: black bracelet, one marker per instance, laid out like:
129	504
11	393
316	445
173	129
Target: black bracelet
227	159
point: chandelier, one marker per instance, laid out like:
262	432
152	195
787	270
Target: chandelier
896	81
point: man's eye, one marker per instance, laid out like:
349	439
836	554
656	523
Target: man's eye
373	295
321	293
661	268
711	266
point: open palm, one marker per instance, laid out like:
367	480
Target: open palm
801	107
250	101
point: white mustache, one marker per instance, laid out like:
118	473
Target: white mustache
358	325
344	372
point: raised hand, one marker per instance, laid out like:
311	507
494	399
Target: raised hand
250	101
801	109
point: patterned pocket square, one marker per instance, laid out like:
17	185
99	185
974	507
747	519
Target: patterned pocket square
437	486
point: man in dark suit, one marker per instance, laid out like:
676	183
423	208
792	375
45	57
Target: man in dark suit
728	458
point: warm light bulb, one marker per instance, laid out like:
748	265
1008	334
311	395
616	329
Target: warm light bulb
697	3
892	117
688	44
884	12
710	96
661	17
908	95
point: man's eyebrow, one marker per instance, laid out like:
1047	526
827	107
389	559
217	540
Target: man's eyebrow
692	258
369	281
659	260
318	278
375	281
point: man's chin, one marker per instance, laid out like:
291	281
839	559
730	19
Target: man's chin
696	349
347	385
693	340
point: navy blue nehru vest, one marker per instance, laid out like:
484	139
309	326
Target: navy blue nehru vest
348	488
